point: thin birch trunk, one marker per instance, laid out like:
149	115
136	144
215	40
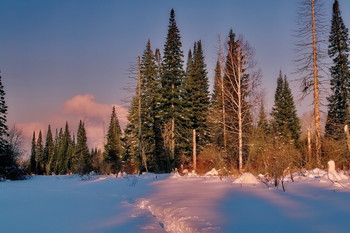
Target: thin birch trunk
316	88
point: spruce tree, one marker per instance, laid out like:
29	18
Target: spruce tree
286	123
131	135
48	150
338	50
65	151
33	156
57	155
83	160
39	154
150	98
6	159
216	109
263	123
196	96
113	147
171	87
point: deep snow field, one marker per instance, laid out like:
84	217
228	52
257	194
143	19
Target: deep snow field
316	202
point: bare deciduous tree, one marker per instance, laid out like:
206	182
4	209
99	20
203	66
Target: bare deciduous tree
310	33
240	93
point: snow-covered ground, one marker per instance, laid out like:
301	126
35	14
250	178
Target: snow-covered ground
170	203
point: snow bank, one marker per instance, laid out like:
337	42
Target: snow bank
246	178
332	175
213	172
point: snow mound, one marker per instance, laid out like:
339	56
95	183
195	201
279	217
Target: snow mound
332	174
246	178
213	172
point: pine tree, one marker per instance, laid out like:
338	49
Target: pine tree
33	156
48	150
57	156
131	135
196	95
150	98
286	123
216	109
172	81
263	123
6	159
113	147
338	108
39	154
83	160
65	151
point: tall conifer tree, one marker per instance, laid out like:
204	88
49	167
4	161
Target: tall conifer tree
339	101
286	123
48	150
171	96
39	154
113	146
33	155
196	95
83	160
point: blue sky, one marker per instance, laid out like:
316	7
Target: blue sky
52	51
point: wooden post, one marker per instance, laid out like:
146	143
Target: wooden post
309	151
194	150
346	129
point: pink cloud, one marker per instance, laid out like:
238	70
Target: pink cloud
95	115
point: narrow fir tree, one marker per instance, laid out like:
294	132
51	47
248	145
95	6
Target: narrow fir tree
48	151
65	151
216	109
172	81
113	147
150	98
196	96
83	157
33	156
286	123
339	101
39	154
263	123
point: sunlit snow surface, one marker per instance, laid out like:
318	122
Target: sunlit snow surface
171	203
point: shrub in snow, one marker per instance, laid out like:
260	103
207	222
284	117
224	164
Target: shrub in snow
246	178
210	157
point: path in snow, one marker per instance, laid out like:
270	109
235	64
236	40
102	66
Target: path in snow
159	203
188	204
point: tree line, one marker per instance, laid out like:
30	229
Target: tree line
176	123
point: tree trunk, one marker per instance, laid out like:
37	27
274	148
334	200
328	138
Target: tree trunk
223	98
309	151
194	150
240	119
316	88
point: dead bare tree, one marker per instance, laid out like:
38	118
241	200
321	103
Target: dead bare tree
310	33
